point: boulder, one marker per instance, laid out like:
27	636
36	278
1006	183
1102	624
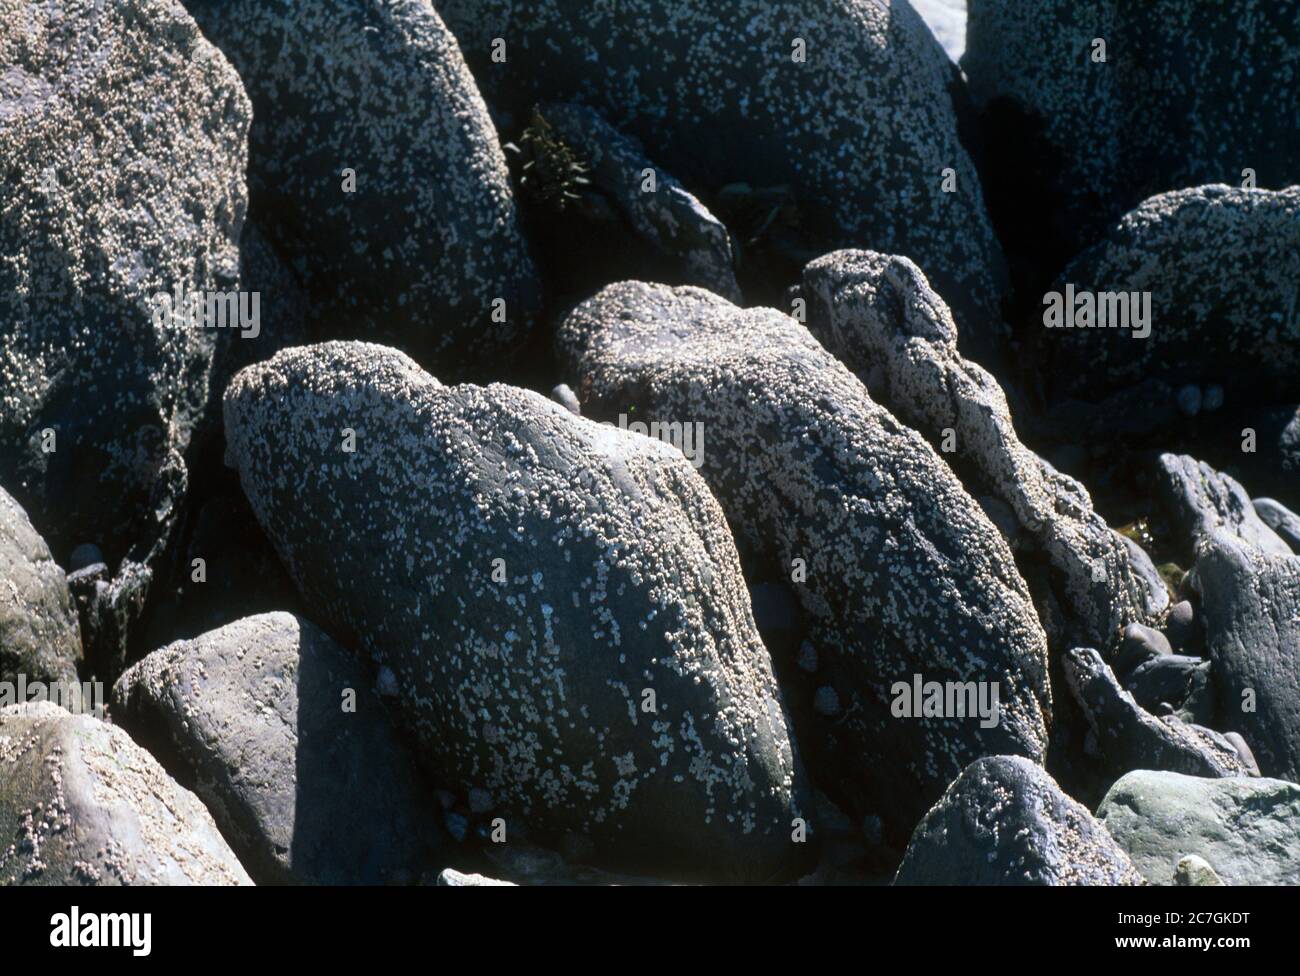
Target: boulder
560	603
1284	522
1201	501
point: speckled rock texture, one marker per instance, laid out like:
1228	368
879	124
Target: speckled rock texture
254	718
670	217
1251	603
880	317
904	573
39	636
1201	501
81	804
861	130
122	153
1221	265
560	603
1247	830
417	255
1128	738
1189	93
1005	821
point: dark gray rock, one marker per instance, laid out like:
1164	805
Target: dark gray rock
122	150
1183	629
1005	821
1201	501
1247	830
1251	602
429	240
1138	645
1181	682
306	785
897	567
39	636
81	804
861	130
1284	522
1129	738
530	577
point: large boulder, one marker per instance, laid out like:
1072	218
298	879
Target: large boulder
560	604
1182	93
122	153
1247	830
39	637
375	167
81	804
846	102
278	731
1200	501
1005	821
896	564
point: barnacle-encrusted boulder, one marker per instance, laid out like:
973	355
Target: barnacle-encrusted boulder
38	627
1005	821
276	728
846	102
879	316
375	167
1200	501
898	566
560	603
123	143
1220	265
81	804
1099	103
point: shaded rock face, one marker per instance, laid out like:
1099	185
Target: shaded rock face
81	804
1201	501
898	568
877	313
1251	602
428	240
122	152
1189	93
560	603
1221	266
1005	821
861	129
306	787
1247	830
39	637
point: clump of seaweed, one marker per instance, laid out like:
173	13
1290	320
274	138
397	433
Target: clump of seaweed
550	171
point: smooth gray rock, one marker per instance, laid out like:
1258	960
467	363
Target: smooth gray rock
1183	629
1201	501
529	577
123	146
1005	821
1129	738
566	398
1251	603
861	130
1138	645
898	569
39	636
418	254
1284	522
1176	680
254	718
1247	830
81	804
878	311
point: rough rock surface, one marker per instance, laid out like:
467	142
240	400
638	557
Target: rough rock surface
901	569
560	603
81	804
1247	830
1251	602
122	154
254	718
1005	821
1201	501
1189	93
1129	738
429	239
1221	266
861	129
879	315
39	637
